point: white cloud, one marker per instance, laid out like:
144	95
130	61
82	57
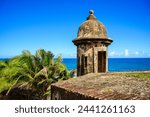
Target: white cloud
115	54
136	53
112	53
126	52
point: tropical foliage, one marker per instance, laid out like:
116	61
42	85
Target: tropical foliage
36	72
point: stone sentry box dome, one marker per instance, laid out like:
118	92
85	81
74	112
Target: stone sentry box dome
92	46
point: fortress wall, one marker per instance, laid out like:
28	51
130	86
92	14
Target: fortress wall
59	93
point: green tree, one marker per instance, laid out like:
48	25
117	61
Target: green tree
36	72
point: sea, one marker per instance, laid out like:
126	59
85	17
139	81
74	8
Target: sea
114	64
117	64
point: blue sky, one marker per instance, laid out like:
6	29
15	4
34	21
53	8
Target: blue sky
53	24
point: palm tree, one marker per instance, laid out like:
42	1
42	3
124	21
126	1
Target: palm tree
36	72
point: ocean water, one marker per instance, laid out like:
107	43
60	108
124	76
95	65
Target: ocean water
118	64
128	64
114	64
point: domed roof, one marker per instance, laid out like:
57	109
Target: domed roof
91	28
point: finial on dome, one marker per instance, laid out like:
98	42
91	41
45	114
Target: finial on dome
91	12
91	16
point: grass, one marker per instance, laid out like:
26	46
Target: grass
138	75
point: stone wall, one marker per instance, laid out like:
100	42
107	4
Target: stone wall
58	93
103	86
